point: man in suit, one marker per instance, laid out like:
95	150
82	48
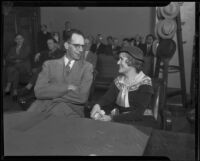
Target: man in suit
148	67
63	85
99	47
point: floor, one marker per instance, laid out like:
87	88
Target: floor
179	120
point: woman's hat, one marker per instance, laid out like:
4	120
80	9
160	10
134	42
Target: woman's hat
134	52
165	29
166	48
170	11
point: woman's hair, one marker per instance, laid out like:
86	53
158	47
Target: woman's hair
137	64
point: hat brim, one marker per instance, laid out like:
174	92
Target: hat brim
170	15
159	29
159	15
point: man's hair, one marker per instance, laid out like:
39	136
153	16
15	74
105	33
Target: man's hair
150	35
125	39
74	31
138	65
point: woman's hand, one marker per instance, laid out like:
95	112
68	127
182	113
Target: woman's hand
96	109
105	118
72	87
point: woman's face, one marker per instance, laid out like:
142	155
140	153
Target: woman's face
123	66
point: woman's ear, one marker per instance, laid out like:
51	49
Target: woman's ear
66	45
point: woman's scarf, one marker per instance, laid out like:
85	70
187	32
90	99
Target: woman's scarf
123	98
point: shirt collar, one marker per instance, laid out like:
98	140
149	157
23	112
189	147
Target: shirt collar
66	60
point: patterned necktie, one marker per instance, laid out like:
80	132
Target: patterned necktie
67	67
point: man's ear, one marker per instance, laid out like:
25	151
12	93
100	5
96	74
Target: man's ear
66	45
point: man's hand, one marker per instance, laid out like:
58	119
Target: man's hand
72	87
96	109
37	57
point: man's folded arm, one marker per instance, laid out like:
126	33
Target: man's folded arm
44	89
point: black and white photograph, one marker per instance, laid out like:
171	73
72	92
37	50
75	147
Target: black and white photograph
100	79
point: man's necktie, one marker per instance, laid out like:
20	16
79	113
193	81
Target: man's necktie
67	67
148	48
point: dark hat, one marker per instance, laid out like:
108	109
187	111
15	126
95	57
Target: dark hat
134	52
166	48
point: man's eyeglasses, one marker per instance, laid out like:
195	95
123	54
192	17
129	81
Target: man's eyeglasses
78	46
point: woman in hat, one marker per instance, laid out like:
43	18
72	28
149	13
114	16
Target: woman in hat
130	92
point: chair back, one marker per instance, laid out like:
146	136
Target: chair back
156	104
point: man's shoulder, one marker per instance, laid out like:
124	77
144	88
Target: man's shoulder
86	64
53	61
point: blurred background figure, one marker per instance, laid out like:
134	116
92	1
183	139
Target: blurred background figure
17	64
148	67
138	41
66	31
109	46
132	41
99	47
125	42
43	35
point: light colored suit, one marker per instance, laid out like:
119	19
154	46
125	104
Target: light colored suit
51	87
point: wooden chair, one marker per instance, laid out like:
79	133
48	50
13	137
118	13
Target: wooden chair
163	116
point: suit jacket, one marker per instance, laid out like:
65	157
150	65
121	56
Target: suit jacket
148	67
92	58
51	86
144	49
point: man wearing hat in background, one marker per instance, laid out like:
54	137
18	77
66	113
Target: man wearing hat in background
130	93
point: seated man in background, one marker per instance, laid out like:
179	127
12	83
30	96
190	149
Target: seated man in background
53	52
17	64
63	85
99	47
130	93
